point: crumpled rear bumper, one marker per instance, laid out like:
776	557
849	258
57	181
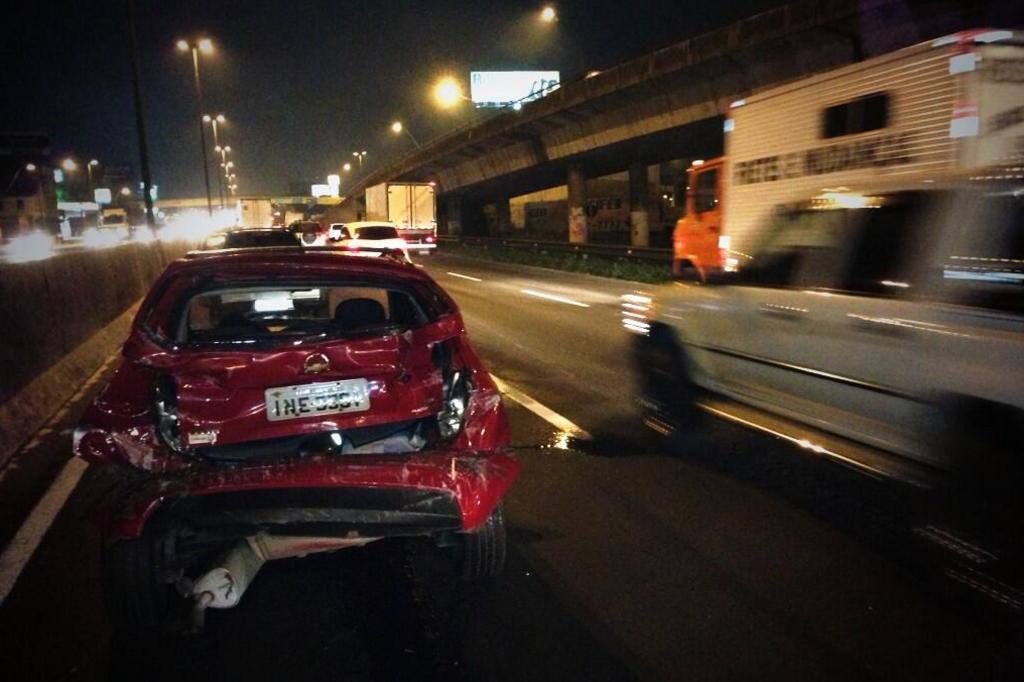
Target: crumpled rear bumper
357	496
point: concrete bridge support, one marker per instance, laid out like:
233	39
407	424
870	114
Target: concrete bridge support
577	184
504	214
453	215
639	230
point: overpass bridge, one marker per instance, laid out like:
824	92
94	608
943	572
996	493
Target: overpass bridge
666	106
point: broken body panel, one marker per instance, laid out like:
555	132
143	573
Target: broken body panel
223	445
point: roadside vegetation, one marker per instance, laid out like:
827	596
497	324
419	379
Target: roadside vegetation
603	266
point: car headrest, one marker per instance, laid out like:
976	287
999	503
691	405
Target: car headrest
356	313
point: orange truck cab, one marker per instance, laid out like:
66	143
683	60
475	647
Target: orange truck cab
697	241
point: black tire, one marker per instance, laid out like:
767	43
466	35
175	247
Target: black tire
667	390
136	600
485	548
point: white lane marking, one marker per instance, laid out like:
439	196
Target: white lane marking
471	279
542	411
553	297
25	542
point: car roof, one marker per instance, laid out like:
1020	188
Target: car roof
294	260
369	223
247	228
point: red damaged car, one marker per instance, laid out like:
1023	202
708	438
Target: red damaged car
273	403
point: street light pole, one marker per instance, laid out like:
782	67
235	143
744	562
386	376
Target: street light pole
140	123
398	129
202	129
213	121
224	151
206	46
88	170
359	155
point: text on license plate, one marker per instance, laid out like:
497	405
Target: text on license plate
327	397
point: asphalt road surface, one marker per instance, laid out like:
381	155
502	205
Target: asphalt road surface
736	558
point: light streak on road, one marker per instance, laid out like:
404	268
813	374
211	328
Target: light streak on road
553	297
471	279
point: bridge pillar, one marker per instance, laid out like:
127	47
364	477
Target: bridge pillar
638	218
577	184
453	211
504	214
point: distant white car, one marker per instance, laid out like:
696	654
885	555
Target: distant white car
367	235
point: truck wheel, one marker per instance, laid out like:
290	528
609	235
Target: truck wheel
136	600
484	549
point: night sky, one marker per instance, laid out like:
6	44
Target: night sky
303	83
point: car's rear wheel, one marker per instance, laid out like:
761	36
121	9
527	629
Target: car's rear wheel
484	549
667	390
137	601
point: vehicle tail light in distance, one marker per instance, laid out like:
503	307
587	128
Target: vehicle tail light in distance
430	239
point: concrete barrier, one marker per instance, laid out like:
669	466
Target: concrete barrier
50	310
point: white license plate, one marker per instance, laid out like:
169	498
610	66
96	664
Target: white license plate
327	397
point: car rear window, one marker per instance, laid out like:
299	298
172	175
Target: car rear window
243	240
376	232
256	314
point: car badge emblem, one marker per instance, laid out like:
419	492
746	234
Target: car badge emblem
316	364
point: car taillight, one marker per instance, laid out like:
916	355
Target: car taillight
165	412
453	415
430	239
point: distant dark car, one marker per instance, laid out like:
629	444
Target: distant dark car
272	403
309	232
249	237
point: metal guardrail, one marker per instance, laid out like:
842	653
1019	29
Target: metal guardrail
638	253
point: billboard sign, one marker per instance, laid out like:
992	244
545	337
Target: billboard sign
497	89
320	190
102	195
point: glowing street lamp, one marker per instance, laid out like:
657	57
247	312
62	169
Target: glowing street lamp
359	155
69	165
88	168
548	15
448	92
126	191
30	167
397	128
346	167
204	45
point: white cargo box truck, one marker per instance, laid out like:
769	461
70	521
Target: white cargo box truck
255	212
952	104
410	206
